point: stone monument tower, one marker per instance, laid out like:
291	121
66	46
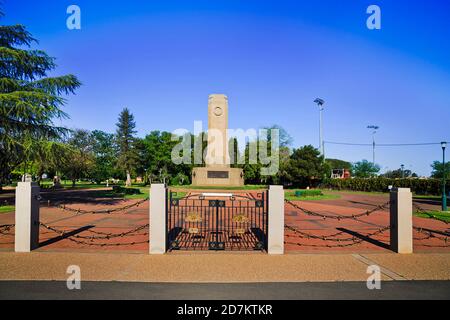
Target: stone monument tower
217	171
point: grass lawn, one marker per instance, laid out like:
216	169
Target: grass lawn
357	192
109	193
415	196
5	209
246	187
78	185
290	195
428	197
85	184
441	215
144	194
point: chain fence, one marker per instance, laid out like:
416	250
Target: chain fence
91	240
335	238
432	234
102	211
6	228
376	209
351	241
101	236
421	210
354	241
332	237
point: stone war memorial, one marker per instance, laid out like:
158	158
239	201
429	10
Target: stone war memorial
217	171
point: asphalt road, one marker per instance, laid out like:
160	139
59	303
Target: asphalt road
55	290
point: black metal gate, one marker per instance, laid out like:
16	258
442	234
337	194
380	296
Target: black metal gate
216	222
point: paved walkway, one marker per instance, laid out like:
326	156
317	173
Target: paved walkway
54	290
222	267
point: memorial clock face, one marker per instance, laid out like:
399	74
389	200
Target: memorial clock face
218	111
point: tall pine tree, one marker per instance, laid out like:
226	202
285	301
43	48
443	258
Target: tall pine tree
125	142
29	99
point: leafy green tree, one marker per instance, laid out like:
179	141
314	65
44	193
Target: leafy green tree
105	151
365	169
305	167
50	157
201	143
233	152
285	138
397	174
278	158
81	156
438	170
180	179
158	158
339	164
127	156
252	171
282	175
141	165
29	99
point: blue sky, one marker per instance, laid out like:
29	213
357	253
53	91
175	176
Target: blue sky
272	58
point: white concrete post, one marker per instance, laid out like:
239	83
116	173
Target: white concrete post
401	220
27	217
158	218
276	220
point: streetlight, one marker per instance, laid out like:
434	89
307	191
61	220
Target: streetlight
320	103
374	128
403	170
444	195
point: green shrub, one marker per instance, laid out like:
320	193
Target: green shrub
126	191
380	184
179	180
308	193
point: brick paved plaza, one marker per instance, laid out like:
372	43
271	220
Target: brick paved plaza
92	232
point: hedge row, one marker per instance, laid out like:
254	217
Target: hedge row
417	186
126	191
308	193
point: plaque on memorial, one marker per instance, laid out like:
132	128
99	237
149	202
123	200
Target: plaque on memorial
217	174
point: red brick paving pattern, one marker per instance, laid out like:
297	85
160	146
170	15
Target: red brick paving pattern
348	205
98	225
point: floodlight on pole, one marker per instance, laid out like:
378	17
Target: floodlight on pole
374	130
320	103
444	174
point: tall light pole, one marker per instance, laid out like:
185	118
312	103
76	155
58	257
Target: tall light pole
374	130
444	195
320	103
403	170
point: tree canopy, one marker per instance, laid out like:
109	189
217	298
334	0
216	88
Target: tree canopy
306	167
399	173
339	164
127	156
30	100
438	170
81	155
365	169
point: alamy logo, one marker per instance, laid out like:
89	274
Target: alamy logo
261	147
374	280
73	22
374	20
74	280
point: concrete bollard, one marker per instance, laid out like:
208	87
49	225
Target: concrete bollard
401	220
276	220
27	217
158	226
